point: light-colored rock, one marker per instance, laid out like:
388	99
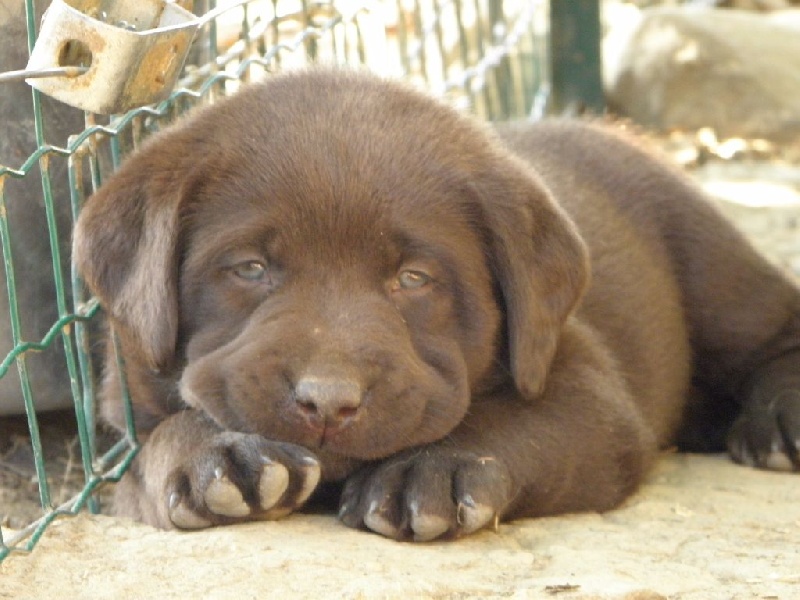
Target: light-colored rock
737	72
763	200
700	529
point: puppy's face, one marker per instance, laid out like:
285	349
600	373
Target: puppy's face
349	315
332	260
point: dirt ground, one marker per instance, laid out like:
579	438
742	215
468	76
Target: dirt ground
702	528
19	489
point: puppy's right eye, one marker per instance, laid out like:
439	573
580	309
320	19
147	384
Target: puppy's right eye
413	280
250	270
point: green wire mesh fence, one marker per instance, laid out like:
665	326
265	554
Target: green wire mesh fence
486	56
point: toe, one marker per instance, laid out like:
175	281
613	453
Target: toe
472	516
311	473
222	497
426	527
273	483
377	518
184	517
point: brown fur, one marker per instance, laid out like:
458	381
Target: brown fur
329	267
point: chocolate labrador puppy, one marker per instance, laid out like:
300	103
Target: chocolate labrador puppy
332	278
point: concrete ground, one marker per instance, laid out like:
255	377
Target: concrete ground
701	528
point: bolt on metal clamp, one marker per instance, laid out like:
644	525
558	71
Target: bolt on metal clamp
130	52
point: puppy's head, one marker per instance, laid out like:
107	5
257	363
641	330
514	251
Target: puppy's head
332	260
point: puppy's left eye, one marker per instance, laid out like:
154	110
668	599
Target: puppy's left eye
413	280
251	270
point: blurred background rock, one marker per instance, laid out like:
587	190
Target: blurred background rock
717	84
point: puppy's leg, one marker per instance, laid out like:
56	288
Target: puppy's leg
190	474
744	319
583	445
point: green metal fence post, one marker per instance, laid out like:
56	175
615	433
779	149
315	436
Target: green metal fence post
575	56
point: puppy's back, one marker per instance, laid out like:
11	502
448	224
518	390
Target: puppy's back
614	192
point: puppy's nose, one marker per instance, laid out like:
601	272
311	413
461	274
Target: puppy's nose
328	400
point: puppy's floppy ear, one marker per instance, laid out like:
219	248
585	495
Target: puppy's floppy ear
540	262
125	247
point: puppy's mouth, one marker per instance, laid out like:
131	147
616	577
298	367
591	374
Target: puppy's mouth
328	435
348	436
330	432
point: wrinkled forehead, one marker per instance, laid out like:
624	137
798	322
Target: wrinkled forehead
339	214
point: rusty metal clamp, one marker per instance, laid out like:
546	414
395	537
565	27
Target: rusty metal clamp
126	53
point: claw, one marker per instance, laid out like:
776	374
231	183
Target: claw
183	517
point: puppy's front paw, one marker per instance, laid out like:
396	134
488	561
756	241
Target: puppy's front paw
430	494
767	433
240	477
